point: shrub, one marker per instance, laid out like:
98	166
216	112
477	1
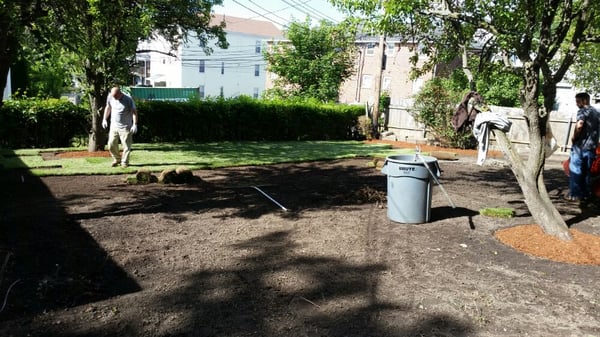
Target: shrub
34	122
434	107
55	123
244	119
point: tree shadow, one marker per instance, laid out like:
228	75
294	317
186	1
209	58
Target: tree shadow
501	181
588	209
272	290
50	262
579	211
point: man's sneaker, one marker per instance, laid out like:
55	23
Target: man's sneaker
114	164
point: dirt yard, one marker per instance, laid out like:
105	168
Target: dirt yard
93	256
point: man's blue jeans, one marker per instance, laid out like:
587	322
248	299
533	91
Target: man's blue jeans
580	185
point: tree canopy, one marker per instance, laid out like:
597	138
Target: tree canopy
314	61
105	35
586	70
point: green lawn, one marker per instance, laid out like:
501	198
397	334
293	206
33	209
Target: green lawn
157	157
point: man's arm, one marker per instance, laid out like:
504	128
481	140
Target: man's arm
577	131
106	112
134	115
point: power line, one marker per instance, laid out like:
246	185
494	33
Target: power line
267	11
317	11
302	7
260	14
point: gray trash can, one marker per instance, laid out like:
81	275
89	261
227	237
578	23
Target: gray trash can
409	184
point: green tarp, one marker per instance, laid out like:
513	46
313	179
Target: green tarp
163	94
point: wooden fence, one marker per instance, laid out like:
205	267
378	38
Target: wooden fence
402	126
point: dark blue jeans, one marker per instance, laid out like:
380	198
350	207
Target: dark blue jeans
580	184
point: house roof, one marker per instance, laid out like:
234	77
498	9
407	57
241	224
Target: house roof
247	26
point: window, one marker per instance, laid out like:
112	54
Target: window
390	47
202	66
256	70
367	81
221	91
222	68
258	47
201	91
255	93
387	83
371	48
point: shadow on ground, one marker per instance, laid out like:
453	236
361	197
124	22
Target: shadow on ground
48	261
239	301
269	287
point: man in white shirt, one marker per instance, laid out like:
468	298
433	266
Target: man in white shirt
123	124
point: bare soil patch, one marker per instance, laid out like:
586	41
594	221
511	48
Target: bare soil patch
583	249
94	256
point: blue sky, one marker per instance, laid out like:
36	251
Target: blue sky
280	12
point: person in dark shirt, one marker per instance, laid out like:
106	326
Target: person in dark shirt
583	149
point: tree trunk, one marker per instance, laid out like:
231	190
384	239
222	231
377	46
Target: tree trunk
377	87
8	45
466	69
531	180
98	137
3	77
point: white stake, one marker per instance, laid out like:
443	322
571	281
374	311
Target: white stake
273	200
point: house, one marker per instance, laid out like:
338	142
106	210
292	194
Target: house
395	79
238	70
392	68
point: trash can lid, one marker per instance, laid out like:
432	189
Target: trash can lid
411	159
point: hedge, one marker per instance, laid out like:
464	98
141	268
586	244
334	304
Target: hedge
39	123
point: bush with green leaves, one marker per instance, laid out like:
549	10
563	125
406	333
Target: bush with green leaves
55	123
45	123
434	107
499	87
244	118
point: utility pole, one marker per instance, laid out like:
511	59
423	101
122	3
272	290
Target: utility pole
377	86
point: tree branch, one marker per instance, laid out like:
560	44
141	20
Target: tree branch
593	38
582	23
562	29
142	51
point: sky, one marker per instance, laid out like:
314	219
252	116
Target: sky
280	12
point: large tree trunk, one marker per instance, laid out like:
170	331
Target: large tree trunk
530	177
98	137
530	173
